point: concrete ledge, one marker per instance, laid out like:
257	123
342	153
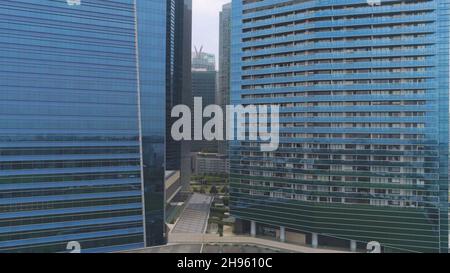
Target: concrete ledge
180	238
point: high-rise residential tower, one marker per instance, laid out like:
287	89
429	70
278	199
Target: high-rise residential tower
364	96
223	83
82	133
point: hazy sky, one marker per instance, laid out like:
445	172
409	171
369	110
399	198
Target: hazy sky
205	20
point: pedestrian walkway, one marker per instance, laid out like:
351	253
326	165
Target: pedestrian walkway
194	218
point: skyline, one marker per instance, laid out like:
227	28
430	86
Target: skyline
317	127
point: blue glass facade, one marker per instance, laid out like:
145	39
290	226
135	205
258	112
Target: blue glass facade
81	98
179	83
364	121
151	34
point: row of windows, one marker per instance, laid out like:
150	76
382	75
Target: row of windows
373	29
314	180
67	178
334	42
11	138
335	93
85	244
310	10
71	123
355	124
337	72
350	125
335	147
355	136
350	114
338	158
372	50
71	190
69	217
68	151
373	18
273	186
336	167
411	102
36	206
67	164
386	61
334	200
68	230
337	83
333	159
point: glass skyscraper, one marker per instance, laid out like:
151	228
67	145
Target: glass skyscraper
223	82
82	128
179	84
364	96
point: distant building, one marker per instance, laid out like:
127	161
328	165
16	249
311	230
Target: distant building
203	61
204	85
223	84
210	163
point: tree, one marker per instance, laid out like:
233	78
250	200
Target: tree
226	201
224	190
220	227
214	190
